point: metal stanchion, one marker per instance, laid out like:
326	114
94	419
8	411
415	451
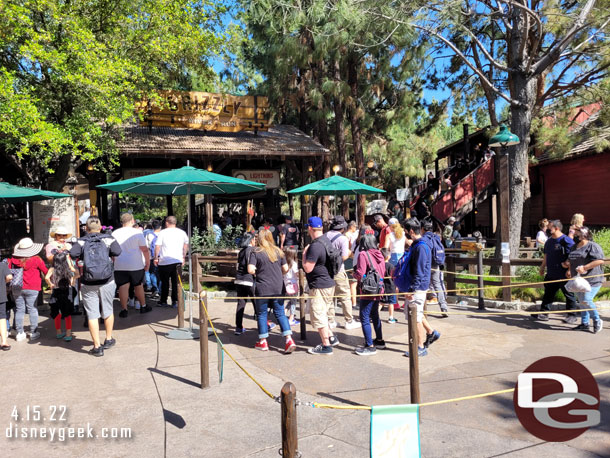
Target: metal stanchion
203	342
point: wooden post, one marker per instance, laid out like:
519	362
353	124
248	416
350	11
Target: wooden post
450	275
170	205
203	341
506	290
180	301
413	356
302	304
290	438
480	272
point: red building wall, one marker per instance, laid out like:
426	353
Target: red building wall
579	185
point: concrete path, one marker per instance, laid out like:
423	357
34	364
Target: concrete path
150	384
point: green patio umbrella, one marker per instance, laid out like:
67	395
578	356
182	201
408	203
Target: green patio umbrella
11	193
184	181
335	186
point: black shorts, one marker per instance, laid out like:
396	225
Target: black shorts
134	277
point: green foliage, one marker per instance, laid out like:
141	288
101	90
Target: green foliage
204	241
70	72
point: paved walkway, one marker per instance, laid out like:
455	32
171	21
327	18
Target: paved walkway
151	384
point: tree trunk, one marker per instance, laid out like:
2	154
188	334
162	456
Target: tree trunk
57	181
354	117
339	108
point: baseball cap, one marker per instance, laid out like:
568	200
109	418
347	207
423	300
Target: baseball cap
315	222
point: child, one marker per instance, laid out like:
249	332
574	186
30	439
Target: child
291	282
61	279
388	286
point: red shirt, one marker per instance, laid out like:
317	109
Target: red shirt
31	271
383	234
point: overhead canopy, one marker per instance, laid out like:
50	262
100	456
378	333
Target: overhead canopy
13	193
183	181
335	186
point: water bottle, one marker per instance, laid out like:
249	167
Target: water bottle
463	304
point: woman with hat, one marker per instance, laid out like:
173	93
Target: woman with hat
25	256
59	243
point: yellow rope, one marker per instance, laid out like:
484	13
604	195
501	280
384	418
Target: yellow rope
515	312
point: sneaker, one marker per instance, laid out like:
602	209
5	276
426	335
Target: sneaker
61	335
239	331
333	341
321	350
444	313
392	320
570	319
290	345
433	301
420	352
352	324
431	338
34	335
137	305
154	295
542	317
146	309
123	313
99	351
582	327
597	326
366	351
332	325
379	344
20	337
270	325
130	303
175	305
261	345
294	322
162	304
108	343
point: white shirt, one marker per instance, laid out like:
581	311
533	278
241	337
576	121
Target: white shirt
541	239
397	245
131	257
171	241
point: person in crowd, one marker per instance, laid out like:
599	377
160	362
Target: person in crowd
448	232
25	257
389	288
342	288
437	258
5	274
170	252
217	230
556	251
289	236
364	229
291	284
446	183
578	220
397	212
244	281
131	264
456	235
352	235
395	241
419	267
383	228
268	225
321	286
541	236
151	276
587	259
61	279
60	236
369	259
96	251
267	263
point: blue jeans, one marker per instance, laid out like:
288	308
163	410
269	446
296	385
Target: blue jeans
151	278
586	301
370	310
262	304
27	299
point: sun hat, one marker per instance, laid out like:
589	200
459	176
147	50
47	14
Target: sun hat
61	230
26	248
338	223
451	220
315	222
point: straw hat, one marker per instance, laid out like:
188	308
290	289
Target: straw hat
61	230
26	248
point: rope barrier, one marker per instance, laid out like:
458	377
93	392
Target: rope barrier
515	312
477	275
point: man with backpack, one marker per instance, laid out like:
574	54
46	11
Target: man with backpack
412	276
95	251
152	275
338	225
438	263
321	261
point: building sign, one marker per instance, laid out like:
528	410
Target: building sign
135	173
271	178
48	214
206	111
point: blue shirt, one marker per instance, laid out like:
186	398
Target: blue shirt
557	251
420	263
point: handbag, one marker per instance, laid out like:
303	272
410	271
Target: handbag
17	273
578	285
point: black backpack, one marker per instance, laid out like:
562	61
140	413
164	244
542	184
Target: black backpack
334	260
97	265
372	283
